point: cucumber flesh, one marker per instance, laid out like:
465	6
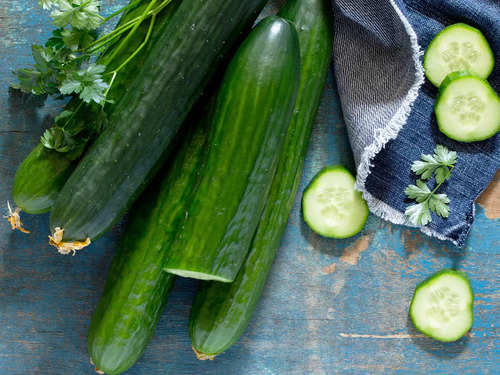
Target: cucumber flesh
442	306
331	206
458	47
467	108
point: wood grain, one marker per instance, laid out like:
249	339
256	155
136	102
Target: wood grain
330	306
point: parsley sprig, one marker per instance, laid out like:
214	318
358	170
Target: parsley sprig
65	64
72	63
440	165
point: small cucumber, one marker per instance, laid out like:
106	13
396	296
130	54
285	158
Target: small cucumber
253	110
467	108
331	206
442	306
221	311
458	47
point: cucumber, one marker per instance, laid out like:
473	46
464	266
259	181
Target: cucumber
331	206
127	153
222	311
44	172
39	178
458	47
137	288
253	110
467	108
442	306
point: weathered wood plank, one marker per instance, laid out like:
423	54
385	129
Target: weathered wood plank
329	306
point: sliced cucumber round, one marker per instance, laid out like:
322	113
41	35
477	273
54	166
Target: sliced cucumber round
467	108
442	306
331	206
458	47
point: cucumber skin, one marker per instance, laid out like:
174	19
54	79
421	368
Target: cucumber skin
137	288
253	110
463	25
44	172
311	184
450	78
39	178
128	152
453	272
221	311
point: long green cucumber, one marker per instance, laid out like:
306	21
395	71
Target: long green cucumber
128	152
253	110
44	172
137	288
221	312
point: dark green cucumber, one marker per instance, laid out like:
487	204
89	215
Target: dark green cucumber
44	172
221	311
127	153
253	110
137	288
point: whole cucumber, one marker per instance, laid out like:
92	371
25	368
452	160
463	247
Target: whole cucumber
221	312
253	109
137	288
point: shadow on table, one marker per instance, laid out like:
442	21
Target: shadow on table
414	241
445	350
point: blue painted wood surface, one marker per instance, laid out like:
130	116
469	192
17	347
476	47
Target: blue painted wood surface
329	307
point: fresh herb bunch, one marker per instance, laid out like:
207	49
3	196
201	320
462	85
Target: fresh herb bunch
67	65
440	165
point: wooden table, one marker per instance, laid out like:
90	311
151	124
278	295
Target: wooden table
329	306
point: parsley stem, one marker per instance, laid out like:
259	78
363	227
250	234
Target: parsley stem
134	29
121	10
73	114
451	167
109	88
98	43
142	45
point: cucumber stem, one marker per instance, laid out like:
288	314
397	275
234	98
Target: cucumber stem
14	219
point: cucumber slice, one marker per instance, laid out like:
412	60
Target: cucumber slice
467	108
330	205
442	306
458	47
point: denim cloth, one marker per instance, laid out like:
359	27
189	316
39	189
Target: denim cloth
388	104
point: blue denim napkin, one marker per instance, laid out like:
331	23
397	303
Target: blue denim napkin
388	104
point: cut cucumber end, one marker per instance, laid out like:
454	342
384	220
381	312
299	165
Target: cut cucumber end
331	206
467	108
442	306
458	47
196	275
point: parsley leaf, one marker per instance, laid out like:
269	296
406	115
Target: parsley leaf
419	192
75	39
87	82
419	213
55	41
438	203
81	14
57	139
43	77
439	165
48	4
